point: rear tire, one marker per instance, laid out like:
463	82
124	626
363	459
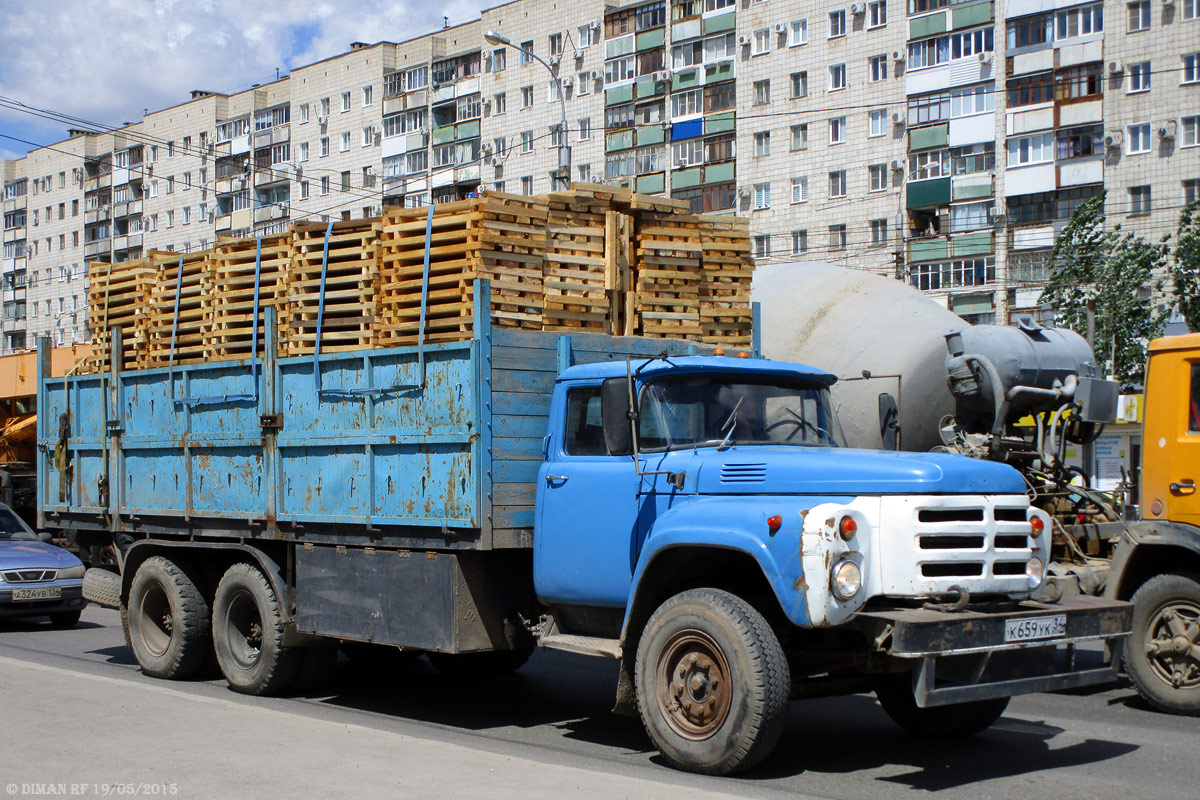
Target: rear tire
713	684
248	634
168	620
957	721
1162	655
490	664
65	619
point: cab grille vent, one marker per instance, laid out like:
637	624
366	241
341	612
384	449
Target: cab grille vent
743	473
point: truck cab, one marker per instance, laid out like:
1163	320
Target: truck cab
696	511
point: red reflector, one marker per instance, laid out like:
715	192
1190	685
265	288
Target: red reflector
1081	517
1038	526
774	523
848	527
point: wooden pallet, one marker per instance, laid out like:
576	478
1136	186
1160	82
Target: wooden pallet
667	274
726	273
235	333
118	296
194	285
575	280
348	320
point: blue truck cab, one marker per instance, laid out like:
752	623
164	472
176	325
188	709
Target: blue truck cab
692	515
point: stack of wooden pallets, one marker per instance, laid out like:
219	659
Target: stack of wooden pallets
592	257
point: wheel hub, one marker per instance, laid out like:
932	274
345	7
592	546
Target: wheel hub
694	690
1171	645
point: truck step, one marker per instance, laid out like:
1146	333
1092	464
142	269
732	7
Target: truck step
585	645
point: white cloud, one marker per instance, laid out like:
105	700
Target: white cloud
107	62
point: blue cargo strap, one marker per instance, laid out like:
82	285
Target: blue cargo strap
396	387
220	398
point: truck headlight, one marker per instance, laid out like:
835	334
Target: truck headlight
1036	571
71	572
845	579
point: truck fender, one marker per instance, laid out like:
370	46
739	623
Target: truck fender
1134	558
142	549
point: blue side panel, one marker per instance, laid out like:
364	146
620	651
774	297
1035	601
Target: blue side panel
83	398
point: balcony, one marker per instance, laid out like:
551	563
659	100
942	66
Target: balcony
16	203
223	222
97	248
99	182
270	211
264	175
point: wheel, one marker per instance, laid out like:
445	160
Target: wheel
315	669
712	682
248	633
102	587
939	722
490	664
168	620
65	619
1162	656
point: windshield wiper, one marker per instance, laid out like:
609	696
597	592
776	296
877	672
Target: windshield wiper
730	423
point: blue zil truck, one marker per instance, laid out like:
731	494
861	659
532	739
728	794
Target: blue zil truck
689	513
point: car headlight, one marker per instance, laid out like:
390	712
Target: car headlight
845	579
1036	571
71	572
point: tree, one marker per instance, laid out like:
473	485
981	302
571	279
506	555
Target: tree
1185	271
1111	274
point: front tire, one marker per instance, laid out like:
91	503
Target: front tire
248	634
167	620
957	721
1163	653
712	682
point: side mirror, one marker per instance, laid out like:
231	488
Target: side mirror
889	422
44	536
614	411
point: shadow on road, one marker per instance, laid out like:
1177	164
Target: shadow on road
40	624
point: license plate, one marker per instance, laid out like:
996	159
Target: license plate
44	593
1033	628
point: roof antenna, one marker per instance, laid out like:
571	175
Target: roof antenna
277	73
445	22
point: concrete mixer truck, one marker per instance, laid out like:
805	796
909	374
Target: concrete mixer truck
914	376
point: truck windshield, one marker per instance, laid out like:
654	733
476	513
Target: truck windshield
713	410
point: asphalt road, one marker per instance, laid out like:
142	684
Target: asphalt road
78	718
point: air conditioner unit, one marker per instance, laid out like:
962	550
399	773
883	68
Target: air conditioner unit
596	75
422	131
322	119
743	191
680	163
578	54
985	57
897	165
897	55
897	117
662	76
1115	67
744	41
594	24
554	60
858	8
496	161
369	170
1166	130
780	27
486	149
565	83
1113	139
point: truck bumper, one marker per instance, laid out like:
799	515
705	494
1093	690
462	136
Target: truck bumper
963	656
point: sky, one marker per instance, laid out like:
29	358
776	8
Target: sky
107	61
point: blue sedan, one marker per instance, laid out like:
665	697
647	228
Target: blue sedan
37	579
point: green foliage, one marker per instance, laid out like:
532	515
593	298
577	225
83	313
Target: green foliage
1113	274
1185	271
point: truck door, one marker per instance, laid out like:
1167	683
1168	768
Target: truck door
1183	455
585	539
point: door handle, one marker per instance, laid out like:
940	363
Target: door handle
1183	488
557	478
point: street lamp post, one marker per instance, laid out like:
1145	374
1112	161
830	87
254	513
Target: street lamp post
564	149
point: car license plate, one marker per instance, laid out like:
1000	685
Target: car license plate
44	593
1033	628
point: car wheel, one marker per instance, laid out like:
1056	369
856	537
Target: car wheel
1162	654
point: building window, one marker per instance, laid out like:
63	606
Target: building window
800	136
837	130
761	42
878	122
799	84
687	103
526	97
876	13
1030	90
368	93
798	32
303	190
324	184
879	179
970	216
1139	77
837	23
1191	66
1191	131
1139	200
555	41
345	176
879	232
526	58
762	246
799	190
527	184
1191	9
837	77
585	128
762	143
837	237
1191	191
621	69
837	183
324	146
1080	142
345	141
527	142
1139	15
1036	149
762	195
345	101
500	103
1139	139
799	242
1079	21
762	92
878	67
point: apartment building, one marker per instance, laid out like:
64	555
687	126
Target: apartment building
944	142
